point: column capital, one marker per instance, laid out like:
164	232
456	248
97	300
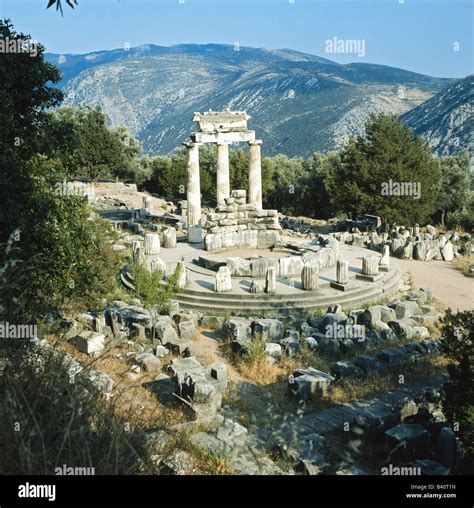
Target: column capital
255	142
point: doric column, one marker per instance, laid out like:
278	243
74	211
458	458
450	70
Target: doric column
255	174
223	182
194	185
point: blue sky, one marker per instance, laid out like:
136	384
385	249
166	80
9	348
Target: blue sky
418	35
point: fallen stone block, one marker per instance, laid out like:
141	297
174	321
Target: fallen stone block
165	332
369	363
407	309
268	329
290	346
187	330
148	362
407	441
346	370
89	342
311	343
236	329
429	467
392	356
375	419
273	352
211	322
309	383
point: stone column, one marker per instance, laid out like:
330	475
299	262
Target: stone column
255	174
152	243
270	280
342	271
385	259
310	277
370	265
194	184
223	182
223	280
169	238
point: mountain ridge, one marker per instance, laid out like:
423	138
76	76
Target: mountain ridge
299	103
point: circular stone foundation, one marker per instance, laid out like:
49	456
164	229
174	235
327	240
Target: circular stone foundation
289	298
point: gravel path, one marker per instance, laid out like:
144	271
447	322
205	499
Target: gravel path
450	287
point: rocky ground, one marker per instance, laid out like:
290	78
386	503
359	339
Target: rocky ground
346	391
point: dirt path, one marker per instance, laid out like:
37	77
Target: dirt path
450	287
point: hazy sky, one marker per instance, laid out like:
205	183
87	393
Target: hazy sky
432	37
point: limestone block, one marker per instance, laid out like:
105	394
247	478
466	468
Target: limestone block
237	328
148	362
370	265
89	342
385	259
270	279
187	330
342	271
407	309
407	440
346	370
375	419
290	346
194	234
291	266
448	251
239	267
273	352
165	332
309	383
157	264
223	280
268	329
238	193
310	277
257	286
169	238
152	243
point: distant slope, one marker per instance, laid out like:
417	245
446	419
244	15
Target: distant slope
446	120
299	103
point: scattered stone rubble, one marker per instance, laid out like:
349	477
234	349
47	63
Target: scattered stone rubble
410	243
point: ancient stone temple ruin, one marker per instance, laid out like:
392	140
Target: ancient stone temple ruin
233	211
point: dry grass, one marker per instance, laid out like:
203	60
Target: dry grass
346	391
133	402
463	263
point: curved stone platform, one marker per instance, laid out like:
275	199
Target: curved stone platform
293	301
289	297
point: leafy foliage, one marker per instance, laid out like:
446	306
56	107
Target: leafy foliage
51	253
458	405
154	292
387	152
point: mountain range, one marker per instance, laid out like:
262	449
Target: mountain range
298	103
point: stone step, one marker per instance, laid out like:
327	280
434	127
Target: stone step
243	307
300	295
329	420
